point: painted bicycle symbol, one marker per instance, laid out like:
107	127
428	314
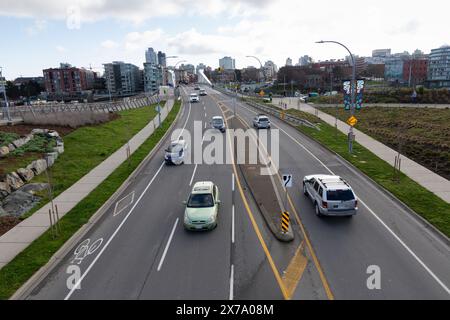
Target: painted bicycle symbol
85	248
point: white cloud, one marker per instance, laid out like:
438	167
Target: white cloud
109	44
135	11
38	26
60	49
140	40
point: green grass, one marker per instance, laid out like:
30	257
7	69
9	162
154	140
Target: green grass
424	133
87	147
6	138
425	203
39	144
24	265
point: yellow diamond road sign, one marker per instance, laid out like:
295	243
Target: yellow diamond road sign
352	121
262	93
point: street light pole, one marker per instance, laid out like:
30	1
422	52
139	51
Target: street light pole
262	68
353	92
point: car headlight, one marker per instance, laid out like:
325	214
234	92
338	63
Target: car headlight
186	219
210	220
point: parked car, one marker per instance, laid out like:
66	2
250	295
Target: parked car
202	207
331	195
176	152
193	97
261	121
218	123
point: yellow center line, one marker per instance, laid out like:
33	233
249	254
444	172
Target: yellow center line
322	276
255	225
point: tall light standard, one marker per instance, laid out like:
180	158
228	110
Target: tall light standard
353	92
262	68
3	88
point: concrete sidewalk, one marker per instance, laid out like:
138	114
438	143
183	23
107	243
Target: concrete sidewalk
423	176
22	235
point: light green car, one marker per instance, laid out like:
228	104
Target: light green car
202	207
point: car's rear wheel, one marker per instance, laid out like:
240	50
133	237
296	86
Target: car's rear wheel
318	211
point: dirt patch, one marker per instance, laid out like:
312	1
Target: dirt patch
24	129
7	223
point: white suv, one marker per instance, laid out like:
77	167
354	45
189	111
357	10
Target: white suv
331	195
194	97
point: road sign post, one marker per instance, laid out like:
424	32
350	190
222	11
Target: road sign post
287	183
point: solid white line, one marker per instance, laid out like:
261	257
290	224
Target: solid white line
232	182
431	273
167	245
232	282
232	224
77	285
193	175
205	124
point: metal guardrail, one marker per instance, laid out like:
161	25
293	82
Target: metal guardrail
277	113
100	107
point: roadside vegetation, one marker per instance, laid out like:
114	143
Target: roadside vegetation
23	266
392	95
422	134
425	203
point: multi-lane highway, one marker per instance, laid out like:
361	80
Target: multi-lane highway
139	249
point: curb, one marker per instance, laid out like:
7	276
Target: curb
45	270
284	237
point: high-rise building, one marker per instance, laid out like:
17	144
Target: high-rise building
227	63
381	53
439	68
151	56
288	62
123	78
68	80
200	66
153	77
270	70
162	59
305	60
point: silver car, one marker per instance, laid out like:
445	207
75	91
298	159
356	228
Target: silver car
331	195
261	122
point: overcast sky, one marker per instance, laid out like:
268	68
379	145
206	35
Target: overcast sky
41	34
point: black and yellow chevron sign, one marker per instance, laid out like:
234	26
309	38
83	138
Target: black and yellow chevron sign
285	220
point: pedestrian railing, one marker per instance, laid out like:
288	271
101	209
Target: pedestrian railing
99	107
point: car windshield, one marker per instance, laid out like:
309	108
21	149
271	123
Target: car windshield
218	121
173	148
200	201
193	95
263	119
340	195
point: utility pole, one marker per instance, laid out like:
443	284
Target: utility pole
3	88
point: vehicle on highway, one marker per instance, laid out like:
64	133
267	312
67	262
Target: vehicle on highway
175	153
203	92
197	88
218	123
261	121
193	97
331	195
202	207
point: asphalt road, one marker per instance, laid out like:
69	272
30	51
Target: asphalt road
143	252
